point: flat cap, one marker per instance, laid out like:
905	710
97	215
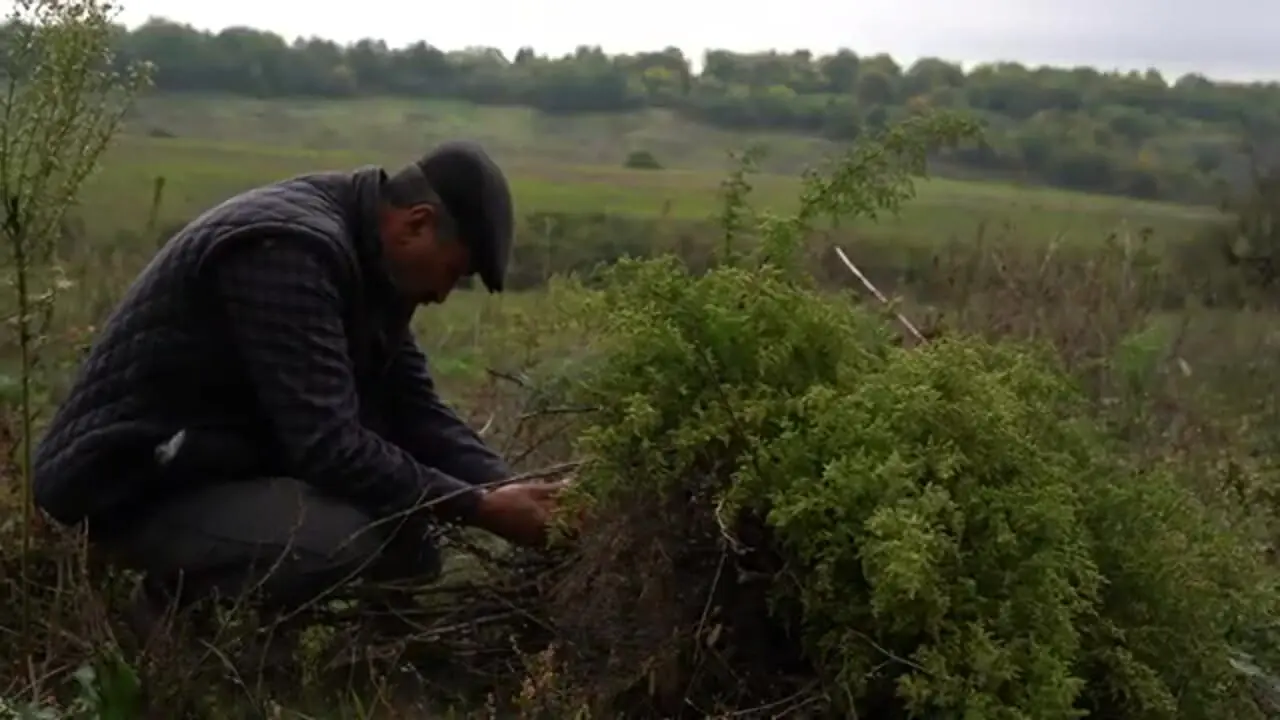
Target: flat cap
475	192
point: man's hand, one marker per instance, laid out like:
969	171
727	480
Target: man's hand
520	512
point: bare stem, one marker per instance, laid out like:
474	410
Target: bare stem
911	328
26	413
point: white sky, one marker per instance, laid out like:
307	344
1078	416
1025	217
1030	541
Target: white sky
1226	38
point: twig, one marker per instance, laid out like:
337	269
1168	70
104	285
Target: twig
778	708
579	410
539	442
896	658
543	474
879	295
500	375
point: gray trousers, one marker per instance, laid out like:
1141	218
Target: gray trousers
276	538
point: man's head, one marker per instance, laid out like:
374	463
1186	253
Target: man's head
445	217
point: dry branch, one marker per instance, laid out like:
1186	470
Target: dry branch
879	295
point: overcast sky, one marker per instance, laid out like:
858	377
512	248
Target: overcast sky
1221	38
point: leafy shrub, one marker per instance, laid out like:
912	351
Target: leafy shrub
780	489
642	160
1236	262
785	508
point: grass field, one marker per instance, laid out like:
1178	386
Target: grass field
209	148
1191	389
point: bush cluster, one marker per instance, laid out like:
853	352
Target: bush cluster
940	531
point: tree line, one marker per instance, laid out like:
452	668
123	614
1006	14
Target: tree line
1131	133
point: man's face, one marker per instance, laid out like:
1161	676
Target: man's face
424	265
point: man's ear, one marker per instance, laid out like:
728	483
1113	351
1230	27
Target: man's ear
420	217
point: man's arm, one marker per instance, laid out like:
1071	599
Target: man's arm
284	312
429	429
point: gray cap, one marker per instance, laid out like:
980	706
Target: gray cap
475	192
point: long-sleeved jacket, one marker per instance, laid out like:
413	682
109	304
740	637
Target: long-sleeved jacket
263	339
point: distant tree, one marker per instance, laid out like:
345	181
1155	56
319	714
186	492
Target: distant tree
642	160
1107	118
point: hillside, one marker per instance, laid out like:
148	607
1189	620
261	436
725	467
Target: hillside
1136	134
207	147
518	134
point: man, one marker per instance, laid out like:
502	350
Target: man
256	413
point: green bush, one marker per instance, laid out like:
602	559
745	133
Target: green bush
938	532
641	160
1236	262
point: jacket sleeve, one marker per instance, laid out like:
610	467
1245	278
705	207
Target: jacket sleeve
430	430
284	312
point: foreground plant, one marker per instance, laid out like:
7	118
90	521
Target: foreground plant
805	508
61	102
105	690
788	510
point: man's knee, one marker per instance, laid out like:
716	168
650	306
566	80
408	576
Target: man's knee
275	536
